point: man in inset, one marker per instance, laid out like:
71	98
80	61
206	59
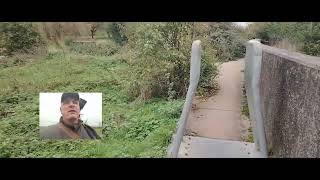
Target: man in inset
70	125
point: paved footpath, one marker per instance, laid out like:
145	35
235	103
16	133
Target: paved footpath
219	116
215	123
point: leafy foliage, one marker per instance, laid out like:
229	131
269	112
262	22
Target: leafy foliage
228	40
129	130
304	34
312	41
117	32
312	45
162	61
19	37
146	60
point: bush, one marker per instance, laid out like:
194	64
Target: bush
103	48
312	45
161	67
208	72
19	37
116	32
227	40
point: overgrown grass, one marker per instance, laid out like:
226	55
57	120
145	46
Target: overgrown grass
101	47
250	137
245	111
129	129
244	106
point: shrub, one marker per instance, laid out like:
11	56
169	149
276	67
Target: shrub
162	64
312	45
19	37
227	40
116	32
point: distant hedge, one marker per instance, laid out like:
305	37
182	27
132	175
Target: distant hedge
304	34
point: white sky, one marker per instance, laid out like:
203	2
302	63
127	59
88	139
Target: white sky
50	108
243	24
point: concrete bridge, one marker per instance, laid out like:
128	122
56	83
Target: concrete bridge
283	94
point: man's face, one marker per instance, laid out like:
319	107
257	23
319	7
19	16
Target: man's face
70	110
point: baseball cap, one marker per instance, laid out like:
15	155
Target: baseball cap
75	96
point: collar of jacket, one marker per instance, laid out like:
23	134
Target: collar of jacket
75	127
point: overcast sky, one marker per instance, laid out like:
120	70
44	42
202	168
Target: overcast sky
50	108
243	24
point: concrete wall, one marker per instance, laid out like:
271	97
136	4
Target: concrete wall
290	102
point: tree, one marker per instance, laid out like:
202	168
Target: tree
94	27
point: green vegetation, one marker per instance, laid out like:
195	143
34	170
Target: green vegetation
228	40
18	37
129	130
142	69
100	48
117	32
245	111
244	106
163	49
305	36
250	137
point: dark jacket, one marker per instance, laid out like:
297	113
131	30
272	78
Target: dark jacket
64	131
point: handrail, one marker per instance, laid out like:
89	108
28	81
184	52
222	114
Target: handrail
194	79
253	62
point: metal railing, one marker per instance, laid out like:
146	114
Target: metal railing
252	82
194	79
253	62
